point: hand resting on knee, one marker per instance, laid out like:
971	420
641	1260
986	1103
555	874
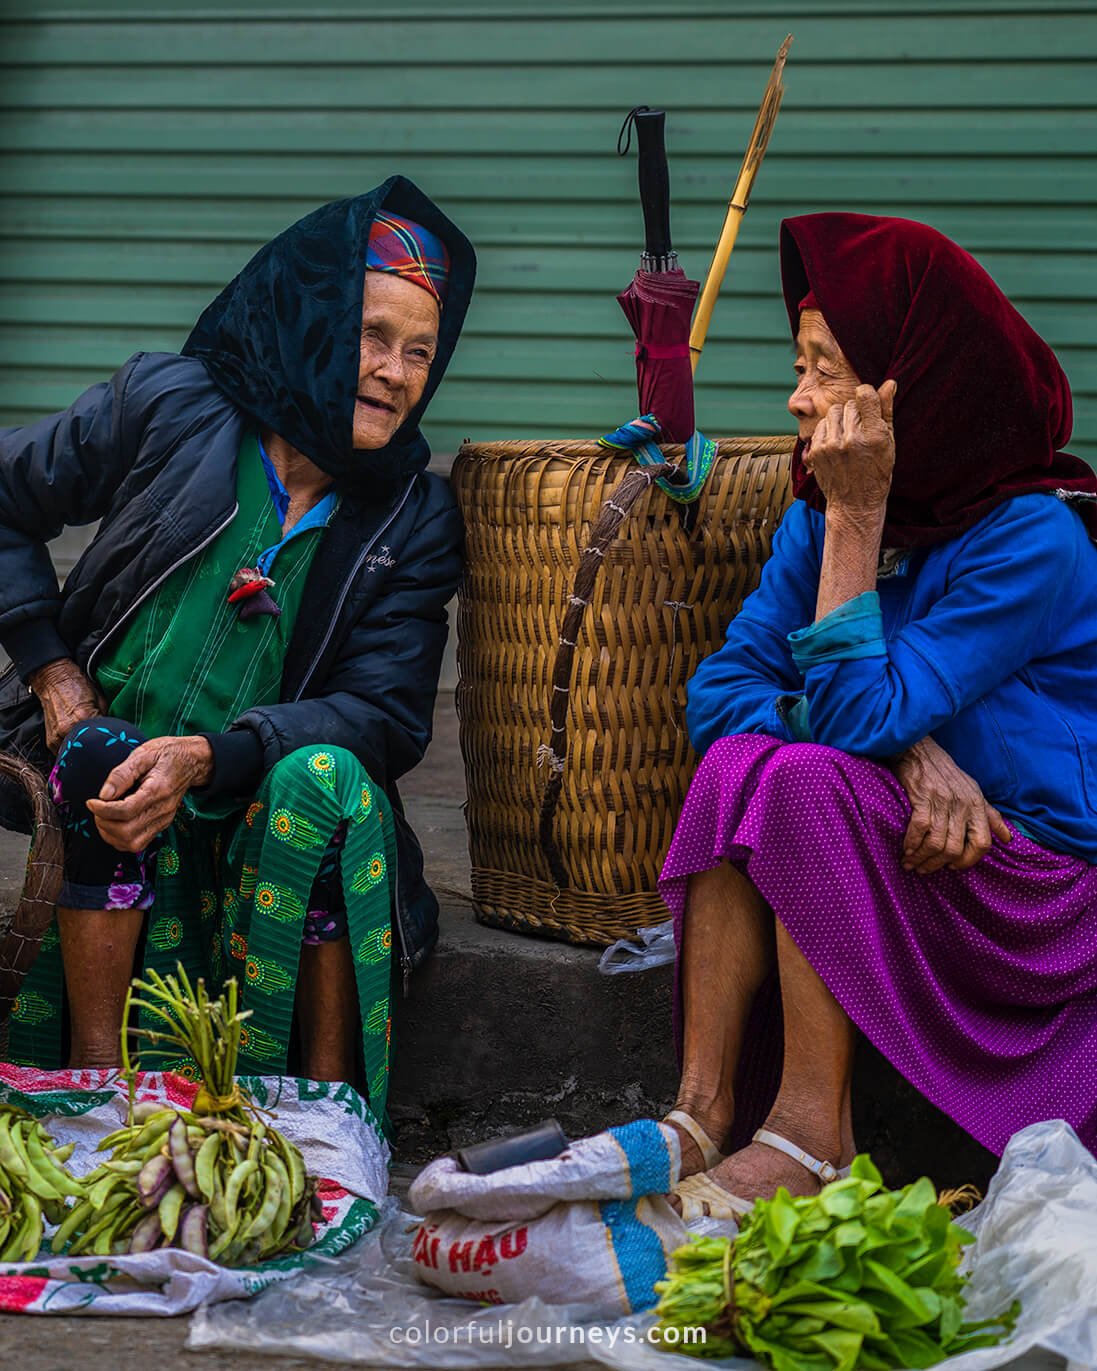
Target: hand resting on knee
140	797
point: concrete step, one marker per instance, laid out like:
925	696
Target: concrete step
501	1030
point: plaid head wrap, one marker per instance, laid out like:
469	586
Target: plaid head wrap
407	249
282	341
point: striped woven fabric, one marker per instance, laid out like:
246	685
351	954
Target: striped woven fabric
408	250
640	437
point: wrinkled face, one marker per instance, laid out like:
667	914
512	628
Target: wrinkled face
399	340
826	377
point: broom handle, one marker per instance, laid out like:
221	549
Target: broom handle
737	205
715	278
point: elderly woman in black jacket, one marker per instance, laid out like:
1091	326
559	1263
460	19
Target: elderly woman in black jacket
245	659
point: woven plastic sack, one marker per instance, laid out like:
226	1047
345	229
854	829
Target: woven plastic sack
592	1225
331	1124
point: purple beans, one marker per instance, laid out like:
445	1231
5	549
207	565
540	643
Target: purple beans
193	1235
154	1179
181	1159
147	1234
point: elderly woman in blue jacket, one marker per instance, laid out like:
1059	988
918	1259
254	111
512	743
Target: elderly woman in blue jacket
245	659
893	829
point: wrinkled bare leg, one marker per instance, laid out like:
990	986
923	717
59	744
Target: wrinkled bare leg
327	1011
727	952
812	1108
98	947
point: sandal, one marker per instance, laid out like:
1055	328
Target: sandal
702	1198
824	1170
710	1154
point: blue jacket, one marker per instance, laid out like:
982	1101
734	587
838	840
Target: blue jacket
152	454
988	642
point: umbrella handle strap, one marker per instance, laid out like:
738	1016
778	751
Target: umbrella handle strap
624	495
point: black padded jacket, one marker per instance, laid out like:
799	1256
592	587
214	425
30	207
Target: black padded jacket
151	454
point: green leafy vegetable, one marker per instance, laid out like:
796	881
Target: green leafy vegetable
856	1278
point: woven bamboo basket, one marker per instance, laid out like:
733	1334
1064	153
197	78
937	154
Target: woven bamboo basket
582	865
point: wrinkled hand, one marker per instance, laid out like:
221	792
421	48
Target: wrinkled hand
852	451
139	798
67	697
952	824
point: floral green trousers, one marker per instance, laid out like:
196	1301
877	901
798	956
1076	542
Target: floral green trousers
231	899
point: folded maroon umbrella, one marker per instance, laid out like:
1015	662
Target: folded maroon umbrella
659	306
659	302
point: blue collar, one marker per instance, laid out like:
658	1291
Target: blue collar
317	516
278	493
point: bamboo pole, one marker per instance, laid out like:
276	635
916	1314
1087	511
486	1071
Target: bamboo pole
737	206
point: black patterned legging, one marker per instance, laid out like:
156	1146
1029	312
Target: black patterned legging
98	876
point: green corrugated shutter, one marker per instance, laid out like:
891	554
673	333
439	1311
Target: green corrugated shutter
148	149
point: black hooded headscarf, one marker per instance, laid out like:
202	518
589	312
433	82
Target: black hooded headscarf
282	339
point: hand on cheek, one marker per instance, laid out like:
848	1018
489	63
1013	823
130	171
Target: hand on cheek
853	449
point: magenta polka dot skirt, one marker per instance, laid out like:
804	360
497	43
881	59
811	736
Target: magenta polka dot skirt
980	986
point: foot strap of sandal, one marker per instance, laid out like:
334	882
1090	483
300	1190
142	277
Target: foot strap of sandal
710	1153
824	1170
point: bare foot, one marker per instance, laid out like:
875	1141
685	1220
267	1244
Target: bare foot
95	1056
757	1172
717	1128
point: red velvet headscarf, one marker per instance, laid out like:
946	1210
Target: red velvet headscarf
983	407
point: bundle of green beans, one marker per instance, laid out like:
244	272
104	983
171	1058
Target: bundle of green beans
856	1278
35	1183
214	1180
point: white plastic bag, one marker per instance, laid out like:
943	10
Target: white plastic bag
647	948
368	1307
591	1225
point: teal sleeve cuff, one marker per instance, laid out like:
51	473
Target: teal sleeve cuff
855	629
